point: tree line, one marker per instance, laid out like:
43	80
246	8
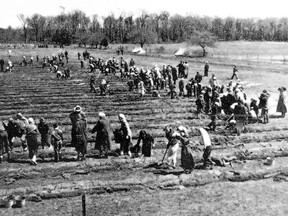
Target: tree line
77	27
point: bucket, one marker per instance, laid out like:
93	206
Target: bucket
269	161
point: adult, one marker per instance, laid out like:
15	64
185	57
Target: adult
66	55
80	140
200	105
181	69
76	116
103	87
44	129
205	140
240	115
213	82
4	143
127	136
132	63
57	140
22	122
103	137
181	87
281	106
31	136
172	146
147	144
78	132
174	74
198	77
263	105
2	64
206	69
187	160
93	83
141	88
235	72
254	109
186	69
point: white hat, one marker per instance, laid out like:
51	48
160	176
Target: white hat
77	109
31	121
182	130
121	116
101	114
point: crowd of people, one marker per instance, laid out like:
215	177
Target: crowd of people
52	137
213	100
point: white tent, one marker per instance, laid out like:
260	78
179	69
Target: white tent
180	52
138	50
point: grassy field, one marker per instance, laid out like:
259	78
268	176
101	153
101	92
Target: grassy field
233	47
122	186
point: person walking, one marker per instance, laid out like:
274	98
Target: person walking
235	72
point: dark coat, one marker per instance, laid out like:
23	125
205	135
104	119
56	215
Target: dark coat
198	78
103	133
187	160
147	142
79	137
281	106
43	128
240	112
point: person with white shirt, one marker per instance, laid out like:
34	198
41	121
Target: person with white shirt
206	141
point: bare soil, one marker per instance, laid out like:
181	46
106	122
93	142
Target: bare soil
125	186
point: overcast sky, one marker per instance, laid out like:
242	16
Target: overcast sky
221	8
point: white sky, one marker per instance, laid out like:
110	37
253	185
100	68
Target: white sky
221	8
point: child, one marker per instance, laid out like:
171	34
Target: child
56	140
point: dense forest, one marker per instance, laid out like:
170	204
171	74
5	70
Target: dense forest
77	27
